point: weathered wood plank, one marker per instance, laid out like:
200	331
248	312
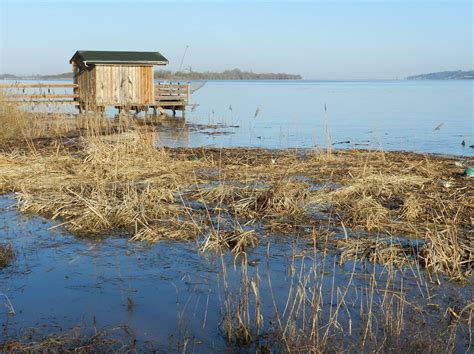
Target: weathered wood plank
75	103
45	95
171	104
37	85
171	98
172	85
184	92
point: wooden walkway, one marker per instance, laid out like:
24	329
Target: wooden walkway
168	96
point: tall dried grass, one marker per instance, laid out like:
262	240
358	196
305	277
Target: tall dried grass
371	312
115	183
450	252
98	176
368	201
13	121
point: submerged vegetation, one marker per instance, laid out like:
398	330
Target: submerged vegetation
398	213
103	183
103	340
6	255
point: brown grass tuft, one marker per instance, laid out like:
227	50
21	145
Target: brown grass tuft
447	251
236	240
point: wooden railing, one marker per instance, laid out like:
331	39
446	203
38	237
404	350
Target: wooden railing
39	93
171	94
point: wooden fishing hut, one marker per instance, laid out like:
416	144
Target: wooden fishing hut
124	80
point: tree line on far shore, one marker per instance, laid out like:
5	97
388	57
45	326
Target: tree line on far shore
235	74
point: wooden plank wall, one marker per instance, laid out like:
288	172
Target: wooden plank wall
124	85
86	82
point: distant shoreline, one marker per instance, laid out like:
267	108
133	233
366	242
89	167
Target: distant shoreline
238	75
234	74
69	79
445	75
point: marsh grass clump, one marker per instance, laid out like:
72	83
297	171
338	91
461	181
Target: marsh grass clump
449	252
6	255
111	178
119	183
237	240
372	201
117	339
254	200
242	313
386	251
13	121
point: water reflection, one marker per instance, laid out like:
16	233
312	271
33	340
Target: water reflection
168	291
173	132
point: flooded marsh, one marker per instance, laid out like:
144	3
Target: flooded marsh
118	242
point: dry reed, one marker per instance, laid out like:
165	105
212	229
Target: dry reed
107	176
117	339
12	120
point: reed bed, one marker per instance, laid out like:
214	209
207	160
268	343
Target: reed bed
114	183
398	213
99	176
319	313
118	339
382	251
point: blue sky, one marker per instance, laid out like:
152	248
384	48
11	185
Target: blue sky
318	39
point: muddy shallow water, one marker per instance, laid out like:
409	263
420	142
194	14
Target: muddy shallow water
173	297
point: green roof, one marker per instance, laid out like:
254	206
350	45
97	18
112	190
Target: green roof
108	57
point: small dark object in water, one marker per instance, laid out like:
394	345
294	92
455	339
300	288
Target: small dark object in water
254	262
6	255
438	127
471	146
257	112
342	142
130	304
463	143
